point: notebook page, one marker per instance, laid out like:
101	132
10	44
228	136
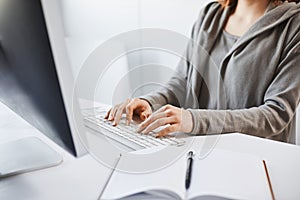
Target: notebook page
170	179
229	174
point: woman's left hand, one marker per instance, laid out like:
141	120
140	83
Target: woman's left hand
180	120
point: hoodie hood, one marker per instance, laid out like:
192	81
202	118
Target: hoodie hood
274	16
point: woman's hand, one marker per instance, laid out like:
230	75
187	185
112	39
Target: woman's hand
131	107
180	120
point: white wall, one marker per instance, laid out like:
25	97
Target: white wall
90	22
102	19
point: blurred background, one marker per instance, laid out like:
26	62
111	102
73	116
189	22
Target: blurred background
89	23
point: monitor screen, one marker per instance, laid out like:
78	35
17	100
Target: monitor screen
28	78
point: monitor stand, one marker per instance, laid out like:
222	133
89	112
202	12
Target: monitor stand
25	155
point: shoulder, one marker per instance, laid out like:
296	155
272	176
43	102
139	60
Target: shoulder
286	13
214	5
293	29
206	16
295	19
210	9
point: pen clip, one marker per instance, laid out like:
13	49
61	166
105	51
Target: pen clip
191	154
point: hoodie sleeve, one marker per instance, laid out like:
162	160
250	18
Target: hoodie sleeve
274	115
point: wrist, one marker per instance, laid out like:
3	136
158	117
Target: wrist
187	120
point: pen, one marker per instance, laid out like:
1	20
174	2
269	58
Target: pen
189	167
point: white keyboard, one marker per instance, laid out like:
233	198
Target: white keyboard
127	135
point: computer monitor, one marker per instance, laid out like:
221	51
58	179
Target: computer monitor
34	83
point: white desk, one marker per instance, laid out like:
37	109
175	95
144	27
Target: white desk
82	178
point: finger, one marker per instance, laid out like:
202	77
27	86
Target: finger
118	115
150	120
112	113
159	122
163	111
164	108
144	115
129	110
167	130
107	114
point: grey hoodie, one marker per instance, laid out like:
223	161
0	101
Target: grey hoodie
256	88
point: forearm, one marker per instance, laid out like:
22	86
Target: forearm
272	118
264	121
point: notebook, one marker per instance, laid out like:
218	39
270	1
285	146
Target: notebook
220	175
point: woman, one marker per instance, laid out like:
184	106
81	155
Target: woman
255	45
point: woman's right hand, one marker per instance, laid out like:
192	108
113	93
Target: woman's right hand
139	107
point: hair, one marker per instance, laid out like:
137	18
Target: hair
226	3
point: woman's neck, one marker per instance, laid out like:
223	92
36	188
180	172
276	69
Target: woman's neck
248	11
